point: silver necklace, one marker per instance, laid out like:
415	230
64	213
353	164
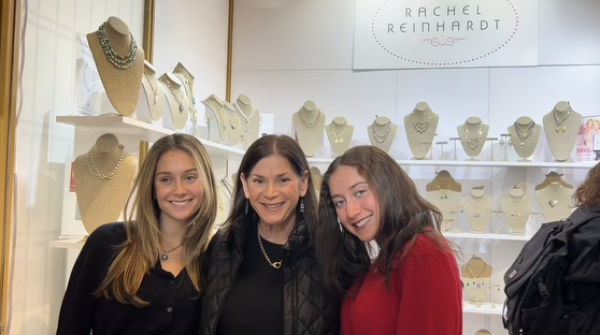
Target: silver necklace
378	137
93	168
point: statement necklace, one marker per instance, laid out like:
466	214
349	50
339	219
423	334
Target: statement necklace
154	89
421	126
309	125
119	62
523	135
473	142
165	255
338	136
275	265
559	127
378	137
93	168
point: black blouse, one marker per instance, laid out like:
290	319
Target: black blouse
174	304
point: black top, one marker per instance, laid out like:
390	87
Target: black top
174	304
255	302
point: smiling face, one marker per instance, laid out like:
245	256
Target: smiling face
355	203
178	187
274	189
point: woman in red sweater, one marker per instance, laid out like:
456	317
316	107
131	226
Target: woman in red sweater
379	244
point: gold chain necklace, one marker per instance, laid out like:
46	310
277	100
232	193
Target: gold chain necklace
188	86
559	127
524	135
378	137
338	136
165	255
177	99
470	269
154	89
473	142
515	204
421	126
276	265
93	168
309	125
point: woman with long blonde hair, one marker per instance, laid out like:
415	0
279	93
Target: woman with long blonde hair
142	276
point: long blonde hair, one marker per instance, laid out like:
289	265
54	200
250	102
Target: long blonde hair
140	252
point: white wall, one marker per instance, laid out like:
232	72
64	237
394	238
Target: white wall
286	52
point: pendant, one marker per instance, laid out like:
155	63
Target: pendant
553	203
516	215
276	265
338	141
477	215
155	99
181	107
522	144
561	129
164	257
443	197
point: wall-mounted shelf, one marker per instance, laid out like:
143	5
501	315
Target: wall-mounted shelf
144	131
487	309
71	242
408	162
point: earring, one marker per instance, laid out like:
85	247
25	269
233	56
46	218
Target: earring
301	205
340	223
154	197
246	209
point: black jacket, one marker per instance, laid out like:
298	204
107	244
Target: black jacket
308	310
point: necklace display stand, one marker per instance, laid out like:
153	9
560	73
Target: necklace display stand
234	124
472	136
309	123
177	102
421	127
339	132
516	208
477	205
525	134
120	63
251	117
382	133
561	127
215	119
476	277
188	84
555	197
152	102
444	192
103	178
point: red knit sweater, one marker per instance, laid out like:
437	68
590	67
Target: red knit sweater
424	298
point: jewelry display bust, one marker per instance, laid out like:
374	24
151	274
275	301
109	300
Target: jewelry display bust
339	132
477	205
561	127
188	84
154	96
445	192
421	127
177	102
555	197
472	136
251	117
103	178
483	332
516	208
215	119
525	134
234	124
382	133
476	276
120	63
309	123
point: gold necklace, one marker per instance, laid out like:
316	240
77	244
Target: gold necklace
559	122
378	137
309	125
443	191
165	255
421	126
554	202
178	100
93	168
474	142
154	89
470	269
524	135
188	86
338	136
515	203
275	265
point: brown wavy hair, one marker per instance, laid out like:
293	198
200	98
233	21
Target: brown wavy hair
588	193
404	214
140	252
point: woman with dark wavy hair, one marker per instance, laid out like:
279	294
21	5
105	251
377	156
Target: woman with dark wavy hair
262	276
379	244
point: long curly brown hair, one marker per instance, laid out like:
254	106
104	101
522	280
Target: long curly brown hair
588	193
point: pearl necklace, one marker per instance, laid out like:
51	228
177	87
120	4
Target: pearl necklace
119	62
247	118
93	168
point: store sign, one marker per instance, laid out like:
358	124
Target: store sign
396	34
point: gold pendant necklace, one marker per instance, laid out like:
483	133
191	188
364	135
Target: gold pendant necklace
421	126
559	127
523	135
165	255
338	136
473	142
177	99
470	269
275	265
